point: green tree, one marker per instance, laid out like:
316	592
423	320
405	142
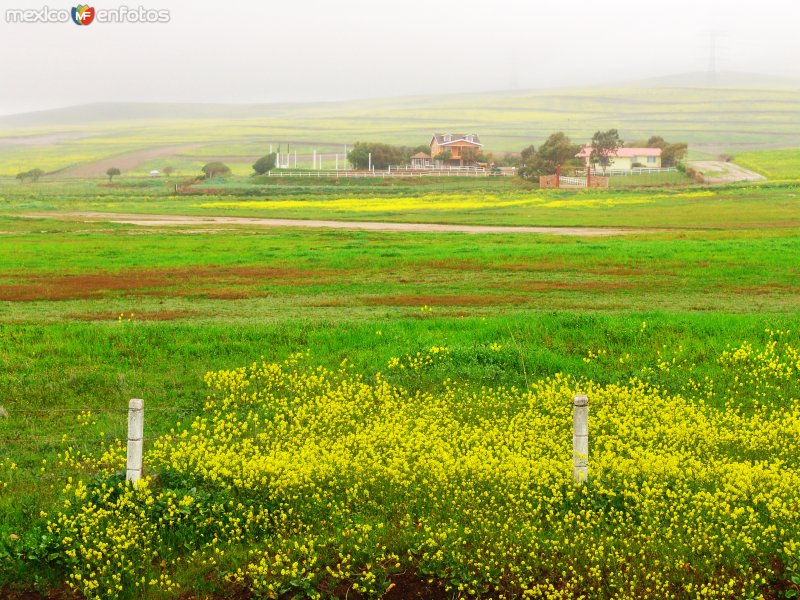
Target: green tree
265	164
112	172
604	146
216	169
383	155
557	150
671	154
23	176
35	174
168	170
470	155
444	157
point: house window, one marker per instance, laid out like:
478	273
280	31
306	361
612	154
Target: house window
651	160
448	138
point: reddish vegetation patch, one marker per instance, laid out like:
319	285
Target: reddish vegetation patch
443	300
471	265
57	594
211	281
567	286
403	586
765	289
549	265
330	303
408	586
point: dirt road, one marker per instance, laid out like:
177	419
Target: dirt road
717	171
124	162
195	221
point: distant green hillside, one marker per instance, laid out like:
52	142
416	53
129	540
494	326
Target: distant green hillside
712	119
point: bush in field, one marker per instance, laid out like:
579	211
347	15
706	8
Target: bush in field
328	478
168	170
113	172
265	164
216	169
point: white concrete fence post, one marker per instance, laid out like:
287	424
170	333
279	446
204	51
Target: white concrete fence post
135	439
580	438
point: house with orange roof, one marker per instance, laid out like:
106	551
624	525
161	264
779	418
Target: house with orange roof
460	146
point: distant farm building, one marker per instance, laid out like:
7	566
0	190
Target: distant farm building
420	161
627	158
463	147
155	173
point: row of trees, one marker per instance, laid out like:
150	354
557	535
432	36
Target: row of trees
383	155
33	175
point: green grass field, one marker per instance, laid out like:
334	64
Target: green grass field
773	164
452	476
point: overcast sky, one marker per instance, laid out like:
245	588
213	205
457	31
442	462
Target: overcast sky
304	50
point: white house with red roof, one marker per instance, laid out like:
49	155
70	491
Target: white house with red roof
627	158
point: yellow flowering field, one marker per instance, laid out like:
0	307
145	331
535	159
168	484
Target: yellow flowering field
300	481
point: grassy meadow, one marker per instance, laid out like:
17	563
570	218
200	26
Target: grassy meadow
356	414
773	164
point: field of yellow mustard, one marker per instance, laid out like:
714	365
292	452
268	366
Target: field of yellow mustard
298	479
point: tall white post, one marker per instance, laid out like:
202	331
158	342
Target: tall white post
580	438
135	441
369	162
337	162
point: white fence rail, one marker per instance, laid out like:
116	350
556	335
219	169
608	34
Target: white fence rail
626	172
393	173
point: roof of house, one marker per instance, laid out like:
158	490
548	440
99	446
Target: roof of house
623	152
421	155
469	138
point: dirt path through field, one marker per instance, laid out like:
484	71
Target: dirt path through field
195	221
717	171
124	162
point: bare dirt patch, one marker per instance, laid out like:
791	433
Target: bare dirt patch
184	220
719	172
221	282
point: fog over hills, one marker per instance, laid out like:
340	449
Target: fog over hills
130	111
